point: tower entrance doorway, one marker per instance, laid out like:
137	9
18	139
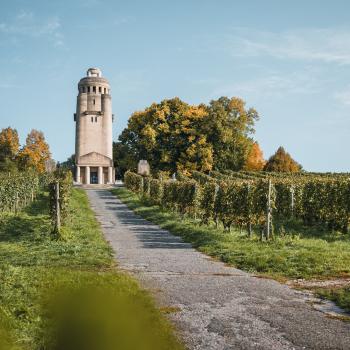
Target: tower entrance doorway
93	177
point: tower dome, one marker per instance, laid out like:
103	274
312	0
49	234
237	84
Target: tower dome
94	72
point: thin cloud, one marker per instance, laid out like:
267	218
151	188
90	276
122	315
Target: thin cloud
322	45
271	86
343	97
26	24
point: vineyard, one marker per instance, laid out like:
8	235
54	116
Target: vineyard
17	191
252	201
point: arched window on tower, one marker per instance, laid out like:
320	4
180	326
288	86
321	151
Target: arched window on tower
105	91
92	119
99	89
94	89
88	89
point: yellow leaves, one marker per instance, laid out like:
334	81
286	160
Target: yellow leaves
171	133
163	128
36	151
149	132
9	143
202	140
238	104
255	160
191	138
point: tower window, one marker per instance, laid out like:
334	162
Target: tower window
92	119
88	89
83	88
94	89
99	89
94	101
96	119
105	90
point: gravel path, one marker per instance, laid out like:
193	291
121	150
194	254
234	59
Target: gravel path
214	306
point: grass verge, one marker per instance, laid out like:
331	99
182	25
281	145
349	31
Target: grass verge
67	294
341	296
289	257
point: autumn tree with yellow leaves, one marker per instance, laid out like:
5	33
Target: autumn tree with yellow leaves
175	136
169	135
9	148
35	152
255	160
282	161
229	128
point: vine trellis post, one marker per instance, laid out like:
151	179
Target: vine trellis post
58	208
269	212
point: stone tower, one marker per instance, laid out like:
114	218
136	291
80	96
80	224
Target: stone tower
93	140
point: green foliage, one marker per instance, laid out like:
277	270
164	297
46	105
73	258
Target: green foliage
341	296
9	148
64	179
169	135
133	182
242	203
175	136
202	178
301	253
125	159
69	163
182	196
229	128
17	190
207	200
281	161
156	190
241	198
45	287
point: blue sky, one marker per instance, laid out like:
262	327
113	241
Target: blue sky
288	59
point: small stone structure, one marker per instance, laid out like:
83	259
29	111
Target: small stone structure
143	167
93	141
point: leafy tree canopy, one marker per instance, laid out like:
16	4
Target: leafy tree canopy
282	161
9	148
255	160
170	135
175	136
36	152
229	127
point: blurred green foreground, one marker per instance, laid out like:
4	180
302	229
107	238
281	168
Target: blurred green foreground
66	294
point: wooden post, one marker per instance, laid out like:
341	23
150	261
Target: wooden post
16	203
58	208
268	216
250	232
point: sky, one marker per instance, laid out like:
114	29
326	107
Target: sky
290	60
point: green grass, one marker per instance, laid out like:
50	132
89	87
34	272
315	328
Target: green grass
310	253
39	275
341	296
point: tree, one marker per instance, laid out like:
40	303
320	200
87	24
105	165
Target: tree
170	135
9	148
124	159
228	129
281	161
36	152
255	160
69	163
